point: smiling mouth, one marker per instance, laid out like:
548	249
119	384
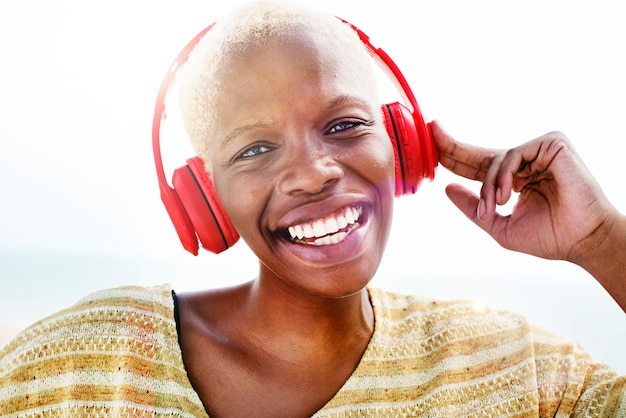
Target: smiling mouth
329	230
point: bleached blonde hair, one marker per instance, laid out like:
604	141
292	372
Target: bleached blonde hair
255	24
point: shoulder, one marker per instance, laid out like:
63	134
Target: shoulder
491	347
437	314
75	361
102	321
106	303
121	336
460	326
460	319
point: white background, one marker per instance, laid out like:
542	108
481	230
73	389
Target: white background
80	210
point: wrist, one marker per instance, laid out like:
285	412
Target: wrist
603	255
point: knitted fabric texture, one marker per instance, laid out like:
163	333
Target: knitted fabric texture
116	353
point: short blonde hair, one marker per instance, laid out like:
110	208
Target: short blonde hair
256	24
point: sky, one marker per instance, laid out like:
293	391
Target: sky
80	208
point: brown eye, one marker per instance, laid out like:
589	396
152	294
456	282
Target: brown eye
254	151
344	126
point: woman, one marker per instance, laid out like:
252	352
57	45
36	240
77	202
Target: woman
281	106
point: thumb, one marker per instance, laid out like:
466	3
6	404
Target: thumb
465	200
469	204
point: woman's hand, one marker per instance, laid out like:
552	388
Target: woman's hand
561	212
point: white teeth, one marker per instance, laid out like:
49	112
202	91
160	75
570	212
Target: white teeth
330	239
337	238
350	216
296	232
326	231
331	225
319	229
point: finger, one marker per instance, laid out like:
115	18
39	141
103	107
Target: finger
464	199
461	169
466	160
468	203
487	204
526	163
509	169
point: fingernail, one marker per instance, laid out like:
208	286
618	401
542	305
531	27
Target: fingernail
481	209
498	195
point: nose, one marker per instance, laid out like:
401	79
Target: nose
311	169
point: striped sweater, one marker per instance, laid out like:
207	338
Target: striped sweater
116	353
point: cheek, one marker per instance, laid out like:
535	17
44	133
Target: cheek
379	162
239	203
381	171
245	199
236	196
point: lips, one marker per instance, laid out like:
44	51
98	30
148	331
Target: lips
330	230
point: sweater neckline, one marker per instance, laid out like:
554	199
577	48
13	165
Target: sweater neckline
373	300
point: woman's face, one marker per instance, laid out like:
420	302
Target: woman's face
303	166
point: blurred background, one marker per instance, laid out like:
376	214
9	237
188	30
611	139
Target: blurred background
80	208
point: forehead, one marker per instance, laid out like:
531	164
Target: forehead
299	66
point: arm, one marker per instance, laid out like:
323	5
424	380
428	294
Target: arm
561	212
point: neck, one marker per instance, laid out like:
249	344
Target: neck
292	324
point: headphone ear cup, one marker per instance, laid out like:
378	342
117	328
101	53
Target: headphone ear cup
414	148
210	222
180	219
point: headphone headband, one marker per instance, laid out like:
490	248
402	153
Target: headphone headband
384	61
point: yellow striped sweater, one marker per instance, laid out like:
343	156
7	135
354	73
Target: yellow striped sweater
116	353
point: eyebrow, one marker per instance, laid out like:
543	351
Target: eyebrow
241	130
343	100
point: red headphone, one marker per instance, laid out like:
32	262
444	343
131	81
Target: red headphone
193	205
